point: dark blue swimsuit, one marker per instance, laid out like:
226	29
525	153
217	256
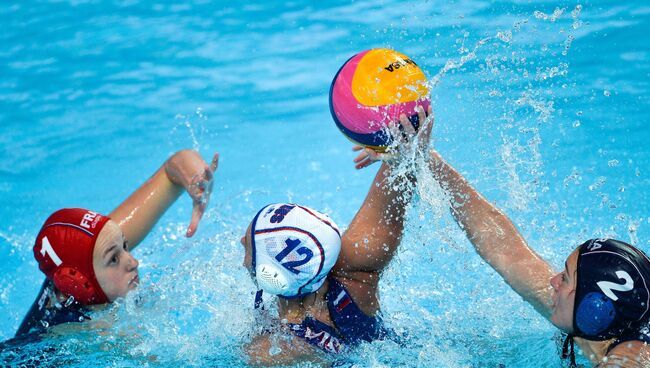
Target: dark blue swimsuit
37	321
641	334
40	317
352	326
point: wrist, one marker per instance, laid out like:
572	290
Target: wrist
436	162
171	173
179	167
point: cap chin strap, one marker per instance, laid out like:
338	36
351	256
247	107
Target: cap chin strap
271	279
569	354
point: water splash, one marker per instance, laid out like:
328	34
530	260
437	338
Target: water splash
557	13
204	319
196	128
575	15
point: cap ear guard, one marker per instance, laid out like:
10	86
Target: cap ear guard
74	283
270	278
595	313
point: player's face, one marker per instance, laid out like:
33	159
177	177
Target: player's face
247	243
564	290
115	268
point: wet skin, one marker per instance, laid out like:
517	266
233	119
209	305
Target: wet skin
564	288
115	268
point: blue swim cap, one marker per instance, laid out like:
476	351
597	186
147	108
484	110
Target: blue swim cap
612	292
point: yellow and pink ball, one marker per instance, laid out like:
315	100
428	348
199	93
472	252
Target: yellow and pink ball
371	90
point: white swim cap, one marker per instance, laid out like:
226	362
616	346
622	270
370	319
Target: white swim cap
294	248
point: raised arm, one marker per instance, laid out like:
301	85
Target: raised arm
372	238
370	241
185	170
374	234
495	238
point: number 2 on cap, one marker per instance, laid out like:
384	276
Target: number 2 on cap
608	286
46	247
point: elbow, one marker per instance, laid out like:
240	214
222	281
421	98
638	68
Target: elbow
185	152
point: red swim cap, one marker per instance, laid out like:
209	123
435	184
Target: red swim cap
64	252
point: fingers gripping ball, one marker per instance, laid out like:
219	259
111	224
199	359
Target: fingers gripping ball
371	90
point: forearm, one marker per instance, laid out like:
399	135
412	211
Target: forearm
495	237
484	224
183	171
376	230
137	215
385	203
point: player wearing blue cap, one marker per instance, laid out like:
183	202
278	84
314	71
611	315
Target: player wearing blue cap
326	282
600	300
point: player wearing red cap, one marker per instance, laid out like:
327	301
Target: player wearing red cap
86	256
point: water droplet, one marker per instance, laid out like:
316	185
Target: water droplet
613	163
69	301
274	350
505	36
607	93
576	123
598	183
567	44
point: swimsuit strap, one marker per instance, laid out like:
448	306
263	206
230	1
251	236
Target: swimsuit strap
641	334
351	325
349	319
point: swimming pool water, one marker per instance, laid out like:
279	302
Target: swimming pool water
543	106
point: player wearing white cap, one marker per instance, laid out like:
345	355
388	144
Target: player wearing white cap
327	282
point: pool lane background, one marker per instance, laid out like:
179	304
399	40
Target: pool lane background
95	95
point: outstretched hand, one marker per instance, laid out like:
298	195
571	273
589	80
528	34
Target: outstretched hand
368	156
200	191
187	169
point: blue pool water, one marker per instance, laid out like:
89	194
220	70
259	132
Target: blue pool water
543	105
